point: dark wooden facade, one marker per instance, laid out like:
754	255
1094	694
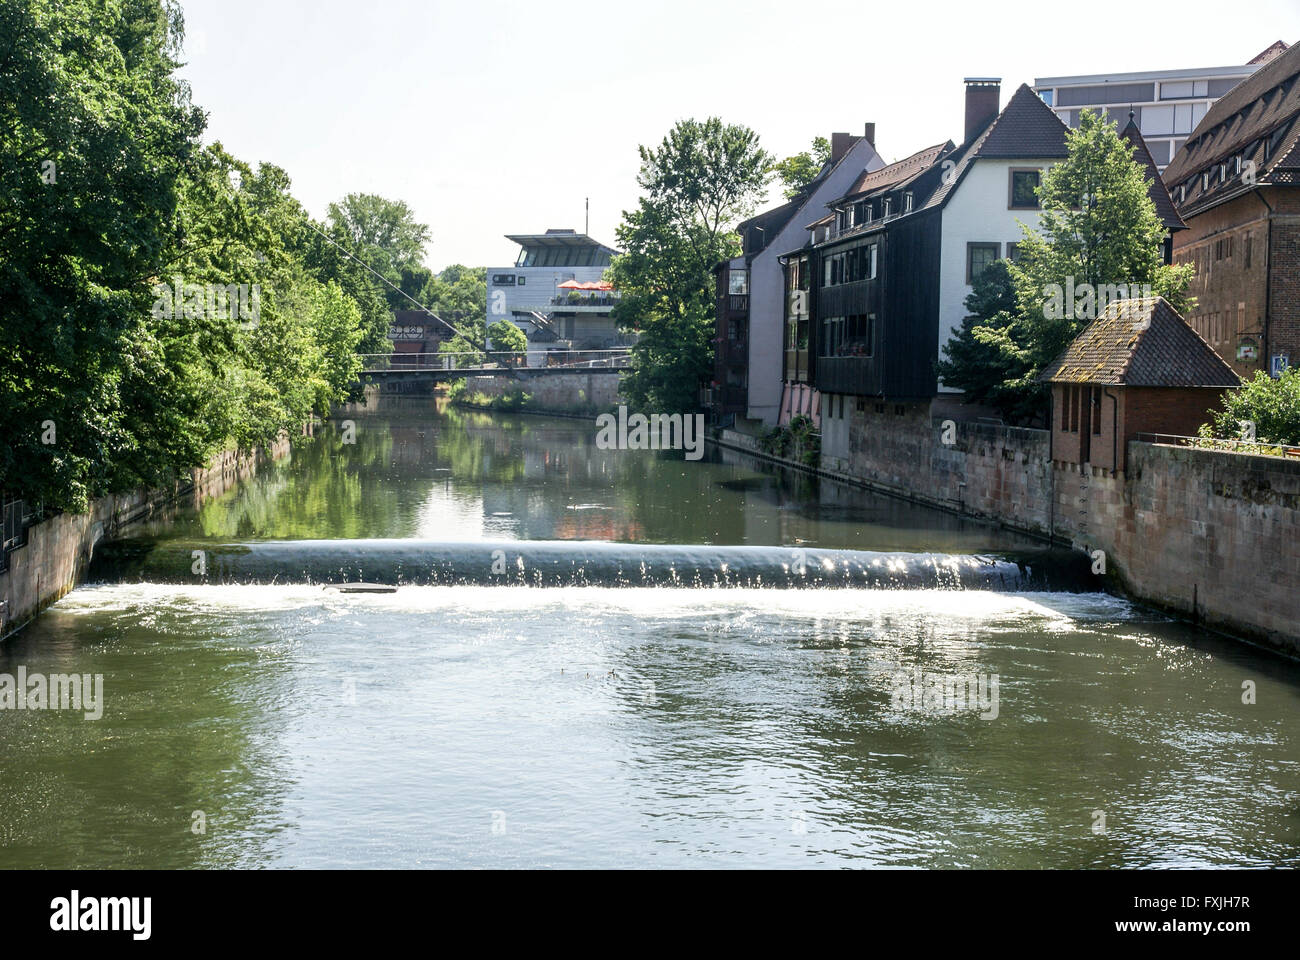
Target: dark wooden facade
904	301
730	389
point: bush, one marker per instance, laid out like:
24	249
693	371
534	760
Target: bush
1273	406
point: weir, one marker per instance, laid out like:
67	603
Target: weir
580	563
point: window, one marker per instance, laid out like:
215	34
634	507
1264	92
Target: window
978	257
1047	96
1074	408
1250	243
522	281
888	206
1013	252
1096	411
907	202
1024	184
503	279
738	285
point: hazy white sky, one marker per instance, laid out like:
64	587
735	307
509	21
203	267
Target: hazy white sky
495	118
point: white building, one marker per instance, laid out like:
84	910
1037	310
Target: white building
532	293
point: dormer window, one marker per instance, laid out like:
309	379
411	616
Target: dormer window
889	202
907	202
1205	180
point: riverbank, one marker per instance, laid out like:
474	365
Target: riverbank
58	551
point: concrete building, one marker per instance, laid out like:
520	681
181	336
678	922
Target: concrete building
1167	104
751	290
1236	183
532	293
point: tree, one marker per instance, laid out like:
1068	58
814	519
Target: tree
979	368
799	170
96	141
1271	405
505	336
386	236
1098	232
701	179
159	300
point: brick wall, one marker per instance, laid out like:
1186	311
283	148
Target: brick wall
1229	245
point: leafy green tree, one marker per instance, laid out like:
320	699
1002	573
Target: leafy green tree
1098	230
799	170
504	335
159	299
1272	405
701	179
980	369
95	141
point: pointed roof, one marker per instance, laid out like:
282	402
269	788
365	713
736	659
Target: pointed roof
1269	52
1140	343
1256	121
1156	188
1027	129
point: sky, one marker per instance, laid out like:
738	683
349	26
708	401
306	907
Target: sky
496	118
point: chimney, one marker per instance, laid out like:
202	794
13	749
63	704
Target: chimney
869	133
840	145
982	96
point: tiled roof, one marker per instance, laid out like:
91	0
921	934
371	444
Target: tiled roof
896	172
770	222
1156	189
1026	127
1255	120
1140	343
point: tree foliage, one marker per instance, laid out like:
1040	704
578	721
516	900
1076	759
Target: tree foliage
696	185
798	170
1271	405
1098	229
124	358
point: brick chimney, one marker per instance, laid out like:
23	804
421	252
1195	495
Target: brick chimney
869	133
982	96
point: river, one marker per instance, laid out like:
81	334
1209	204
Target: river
469	725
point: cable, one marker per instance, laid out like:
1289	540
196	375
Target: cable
383	279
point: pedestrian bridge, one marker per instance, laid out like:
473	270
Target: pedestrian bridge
380	367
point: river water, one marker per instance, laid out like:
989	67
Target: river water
286	725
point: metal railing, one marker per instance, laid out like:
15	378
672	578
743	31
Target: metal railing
581	301
1256	447
493	360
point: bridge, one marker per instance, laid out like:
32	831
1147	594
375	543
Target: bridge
519	365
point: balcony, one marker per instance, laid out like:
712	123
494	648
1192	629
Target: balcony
578	303
730	304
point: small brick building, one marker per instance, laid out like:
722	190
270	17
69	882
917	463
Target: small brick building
1138	368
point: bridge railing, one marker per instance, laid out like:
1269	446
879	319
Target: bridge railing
493	360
